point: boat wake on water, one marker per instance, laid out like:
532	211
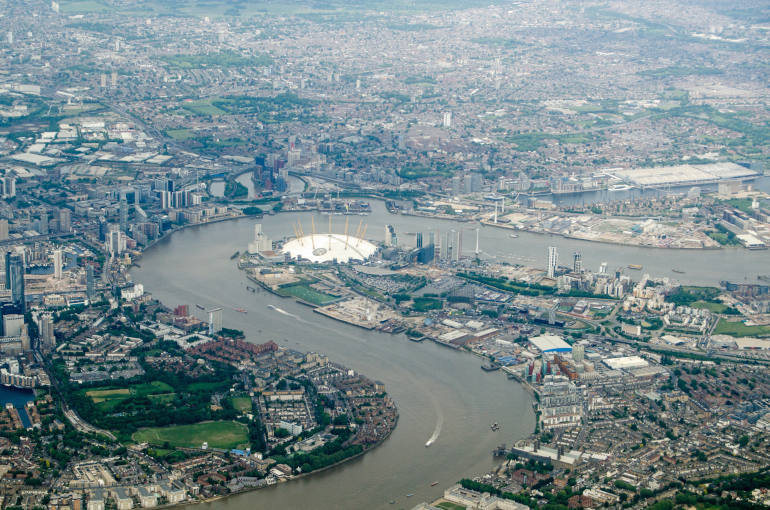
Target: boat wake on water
284	312
439	423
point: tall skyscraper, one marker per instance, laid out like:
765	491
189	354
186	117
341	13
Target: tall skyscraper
215	321
44	223
457	184
65	220
577	262
3	229
9	187
553	261
458	246
90	283
578	353
116	243
57	264
261	241
447	119
444	246
14	278
103	229
419	240
47	337
123	215
13	323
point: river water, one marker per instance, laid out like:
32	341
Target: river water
436	389
19	398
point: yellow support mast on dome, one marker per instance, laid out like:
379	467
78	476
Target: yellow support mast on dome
346	233
362	234
312	238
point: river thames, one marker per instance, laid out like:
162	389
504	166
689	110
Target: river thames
435	388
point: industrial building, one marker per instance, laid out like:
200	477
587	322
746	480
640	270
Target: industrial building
681	175
550	343
626	363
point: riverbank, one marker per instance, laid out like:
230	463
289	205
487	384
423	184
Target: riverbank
294	478
425	381
509	227
386	432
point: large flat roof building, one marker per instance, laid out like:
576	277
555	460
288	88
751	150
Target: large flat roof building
626	362
550	343
685	174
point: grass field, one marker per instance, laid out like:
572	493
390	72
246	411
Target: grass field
163	398
101	395
180	134
203	107
713	307
243	404
218	434
740	329
305	293
526	142
108	398
198	386
446	505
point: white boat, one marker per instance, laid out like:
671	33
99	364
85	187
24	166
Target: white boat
619	187
430	442
514	236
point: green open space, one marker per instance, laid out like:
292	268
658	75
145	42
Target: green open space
243	404
207	386
502	42
739	329
163	398
423	304
97	395
202	107
413	171
688	295
93	6
218	434
710	306
679	71
152	388
526	142
446	505
219	60
107	398
306	293
742	204
180	134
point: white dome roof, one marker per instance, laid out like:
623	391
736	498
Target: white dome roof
328	247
